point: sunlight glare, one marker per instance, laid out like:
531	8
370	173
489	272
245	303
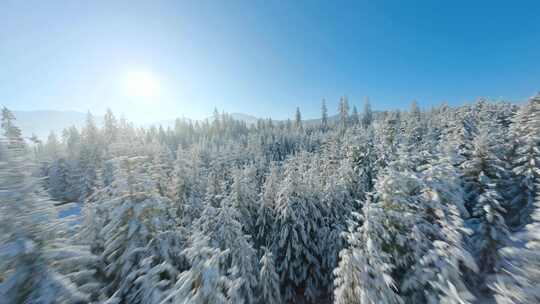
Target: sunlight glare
141	84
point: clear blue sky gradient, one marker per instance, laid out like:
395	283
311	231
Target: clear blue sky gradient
266	57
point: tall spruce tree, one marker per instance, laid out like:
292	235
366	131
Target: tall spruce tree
324	115
268	280
525	130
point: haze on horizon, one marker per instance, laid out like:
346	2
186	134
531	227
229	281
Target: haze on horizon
166	59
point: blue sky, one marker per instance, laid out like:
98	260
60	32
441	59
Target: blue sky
264	57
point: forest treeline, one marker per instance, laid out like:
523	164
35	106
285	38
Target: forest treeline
438	205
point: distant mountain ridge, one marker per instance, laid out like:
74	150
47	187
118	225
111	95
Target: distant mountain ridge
42	122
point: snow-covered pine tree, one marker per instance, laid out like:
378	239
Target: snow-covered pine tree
90	157
324	115
525	130
334	186
72	144
482	174
435	121
266	214
123	219
367	115
215	189
163	260
363	159
206	281
161	167
244	197
459	134
387	138
224	230
185	186
414	126
364	274
110	128
58	179
436	274
12	133
269	291
518	277
398	192
355	118
52	147
299	218
343	111
298	119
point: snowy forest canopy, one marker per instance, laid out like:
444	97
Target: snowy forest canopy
423	206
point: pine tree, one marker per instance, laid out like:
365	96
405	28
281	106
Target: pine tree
185	186
73	188
364	274
367	115
268	280
526	163
298	119
161	167
387	138
90	157
297	223
481	174
158	270
355	118
336	203
58	179
414	126
437	273
459	135
206	282
343	111
518	277
10	131
324	115
52	147
225	232
363	159
216	123
110	130
125	217
215	189
244	197
266	214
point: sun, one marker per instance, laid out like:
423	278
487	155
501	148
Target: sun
141	84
